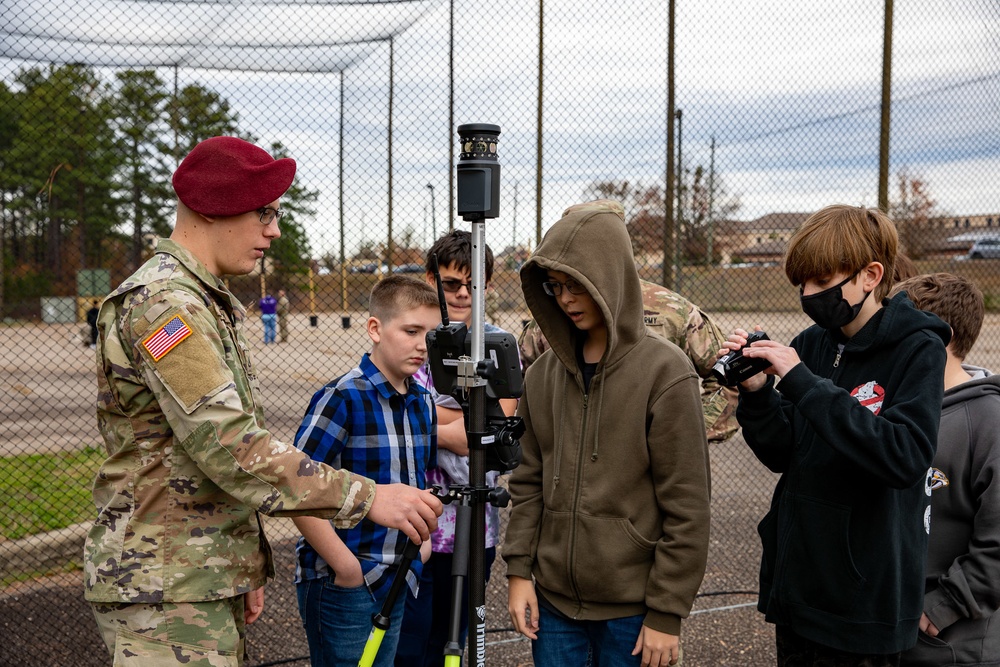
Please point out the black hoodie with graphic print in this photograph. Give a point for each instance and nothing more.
(852, 430)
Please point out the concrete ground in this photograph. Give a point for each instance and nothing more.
(724, 628)
(47, 389)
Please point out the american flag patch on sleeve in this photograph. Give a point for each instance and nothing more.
(166, 337)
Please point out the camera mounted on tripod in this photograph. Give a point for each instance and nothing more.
(450, 351)
(462, 360)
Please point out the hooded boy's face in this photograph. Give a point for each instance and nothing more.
(581, 309)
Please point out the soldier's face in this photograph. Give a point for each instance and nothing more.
(401, 342)
(242, 241)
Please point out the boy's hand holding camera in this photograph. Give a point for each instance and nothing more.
(782, 357)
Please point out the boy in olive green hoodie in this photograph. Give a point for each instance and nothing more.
(611, 500)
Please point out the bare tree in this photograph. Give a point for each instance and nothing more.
(912, 211)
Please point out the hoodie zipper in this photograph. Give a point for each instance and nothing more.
(576, 497)
(840, 352)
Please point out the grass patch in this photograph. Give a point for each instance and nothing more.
(42, 492)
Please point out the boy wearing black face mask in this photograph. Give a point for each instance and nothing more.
(853, 431)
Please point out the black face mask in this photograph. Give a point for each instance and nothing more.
(829, 308)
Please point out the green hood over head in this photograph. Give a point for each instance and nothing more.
(591, 244)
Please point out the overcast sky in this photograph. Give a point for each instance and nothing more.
(789, 90)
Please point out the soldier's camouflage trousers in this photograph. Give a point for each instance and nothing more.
(195, 634)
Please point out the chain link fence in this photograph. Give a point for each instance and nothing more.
(719, 126)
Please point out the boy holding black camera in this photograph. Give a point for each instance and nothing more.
(852, 429)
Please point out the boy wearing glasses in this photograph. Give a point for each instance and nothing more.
(425, 624)
(608, 537)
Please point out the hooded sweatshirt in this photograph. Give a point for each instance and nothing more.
(963, 559)
(853, 431)
(611, 500)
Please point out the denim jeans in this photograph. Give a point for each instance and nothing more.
(270, 327)
(338, 621)
(563, 642)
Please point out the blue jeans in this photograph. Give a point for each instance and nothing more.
(563, 642)
(338, 621)
(270, 327)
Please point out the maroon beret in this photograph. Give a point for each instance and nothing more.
(226, 176)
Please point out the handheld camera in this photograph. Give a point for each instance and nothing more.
(733, 368)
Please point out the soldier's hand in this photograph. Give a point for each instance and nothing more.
(253, 605)
(407, 508)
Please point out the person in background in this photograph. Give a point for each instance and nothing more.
(960, 624)
(92, 313)
(425, 625)
(283, 310)
(268, 315)
(852, 431)
(176, 560)
(676, 319)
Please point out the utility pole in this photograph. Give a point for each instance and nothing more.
(668, 185)
(883, 143)
(711, 200)
(514, 226)
(680, 201)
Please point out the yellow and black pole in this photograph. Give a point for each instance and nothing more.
(381, 621)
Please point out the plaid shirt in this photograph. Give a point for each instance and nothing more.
(359, 422)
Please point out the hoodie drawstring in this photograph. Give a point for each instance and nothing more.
(562, 434)
(600, 405)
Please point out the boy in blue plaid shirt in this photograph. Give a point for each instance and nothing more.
(374, 421)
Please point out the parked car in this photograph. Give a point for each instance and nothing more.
(409, 268)
(988, 248)
(370, 267)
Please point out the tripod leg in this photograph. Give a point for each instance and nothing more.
(459, 571)
(381, 620)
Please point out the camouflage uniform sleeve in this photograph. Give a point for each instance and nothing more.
(530, 344)
(205, 387)
(702, 342)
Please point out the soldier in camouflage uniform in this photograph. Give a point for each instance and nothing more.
(678, 320)
(175, 562)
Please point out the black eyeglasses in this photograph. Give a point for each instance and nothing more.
(267, 214)
(452, 285)
(553, 288)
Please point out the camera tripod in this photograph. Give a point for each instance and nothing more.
(460, 368)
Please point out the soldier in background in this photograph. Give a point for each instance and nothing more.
(283, 310)
(678, 320)
(175, 562)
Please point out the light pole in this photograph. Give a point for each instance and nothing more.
(514, 225)
(680, 199)
(434, 233)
